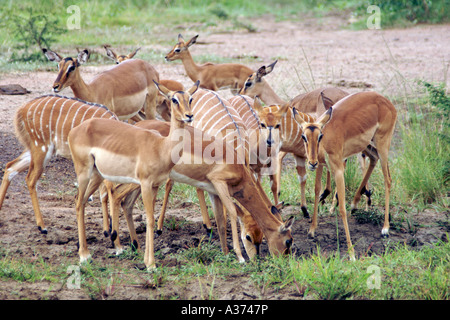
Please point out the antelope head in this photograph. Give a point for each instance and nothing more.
(118, 58)
(312, 135)
(180, 102)
(68, 68)
(270, 121)
(254, 85)
(180, 48)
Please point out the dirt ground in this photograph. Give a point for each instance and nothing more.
(310, 55)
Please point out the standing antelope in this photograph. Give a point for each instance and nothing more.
(212, 76)
(122, 153)
(42, 125)
(162, 104)
(118, 58)
(361, 122)
(279, 118)
(125, 89)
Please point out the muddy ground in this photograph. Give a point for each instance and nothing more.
(310, 54)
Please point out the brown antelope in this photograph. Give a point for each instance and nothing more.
(278, 117)
(162, 104)
(42, 126)
(125, 89)
(218, 119)
(223, 180)
(361, 122)
(192, 174)
(122, 153)
(118, 58)
(212, 76)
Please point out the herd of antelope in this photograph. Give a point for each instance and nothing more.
(123, 160)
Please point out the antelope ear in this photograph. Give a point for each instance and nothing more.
(260, 73)
(131, 55)
(270, 67)
(325, 117)
(51, 55)
(284, 108)
(194, 88)
(287, 225)
(298, 117)
(327, 102)
(83, 56)
(180, 38)
(164, 91)
(109, 53)
(192, 41)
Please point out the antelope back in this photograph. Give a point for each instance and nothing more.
(44, 123)
(216, 117)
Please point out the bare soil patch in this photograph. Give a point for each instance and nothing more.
(310, 55)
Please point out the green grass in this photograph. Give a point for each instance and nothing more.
(400, 273)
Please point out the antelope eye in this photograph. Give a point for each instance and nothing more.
(288, 243)
(277, 126)
(320, 137)
(304, 138)
(248, 238)
(248, 84)
(71, 68)
(177, 50)
(263, 125)
(190, 100)
(174, 100)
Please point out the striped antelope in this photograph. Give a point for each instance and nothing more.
(216, 117)
(42, 126)
(162, 104)
(125, 89)
(212, 76)
(122, 153)
(361, 122)
(223, 180)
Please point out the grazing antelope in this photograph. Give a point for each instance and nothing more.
(125, 89)
(222, 180)
(122, 153)
(162, 104)
(42, 125)
(193, 174)
(361, 122)
(118, 58)
(212, 76)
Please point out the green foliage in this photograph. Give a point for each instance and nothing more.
(33, 27)
(424, 163)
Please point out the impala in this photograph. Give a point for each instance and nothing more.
(222, 180)
(278, 117)
(42, 125)
(125, 89)
(162, 104)
(212, 76)
(118, 58)
(361, 122)
(122, 153)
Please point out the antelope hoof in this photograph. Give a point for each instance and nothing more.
(305, 211)
(158, 232)
(135, 246)
(208, 230)
(85, 259)
(106, 234)
(385, 233)
(324, 195)
(42, 231)
(311, 235)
